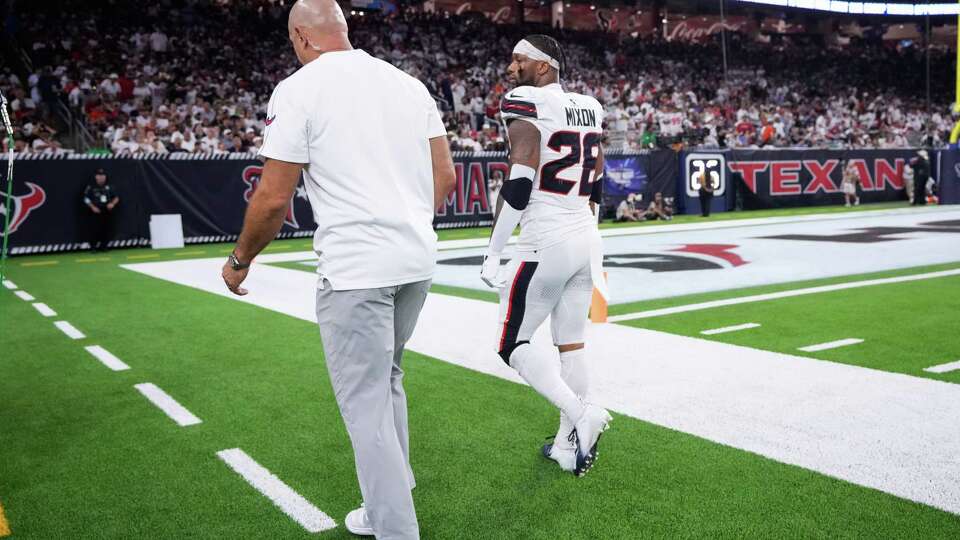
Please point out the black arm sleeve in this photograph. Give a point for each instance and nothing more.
(516, 192)
(596, 191)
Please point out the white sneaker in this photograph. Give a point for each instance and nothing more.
(586, 433)
(357, 522)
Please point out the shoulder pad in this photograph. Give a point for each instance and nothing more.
(521, 102)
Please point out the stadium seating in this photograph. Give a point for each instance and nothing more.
(196, 78)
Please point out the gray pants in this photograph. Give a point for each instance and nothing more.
(364, 332)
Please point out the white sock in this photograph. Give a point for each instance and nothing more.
(542, 372)
(573, 370)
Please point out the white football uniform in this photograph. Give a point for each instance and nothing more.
(552, 273)
(570, 128)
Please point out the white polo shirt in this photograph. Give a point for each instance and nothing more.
(362, 127)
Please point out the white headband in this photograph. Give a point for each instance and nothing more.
(527, 49)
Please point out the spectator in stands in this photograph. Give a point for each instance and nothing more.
(706, 194)
(494, 185)
(921, 174)
(658, 209)
(101, 199)
(627, 209)
(908, 182)
(860, 95)
(851, 177)
(932, 197)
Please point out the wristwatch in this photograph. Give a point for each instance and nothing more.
(235, 262)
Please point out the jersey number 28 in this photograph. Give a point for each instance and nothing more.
(582, 151)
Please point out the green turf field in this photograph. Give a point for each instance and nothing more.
(84, 455)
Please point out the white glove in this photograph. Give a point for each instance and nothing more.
(490, 272)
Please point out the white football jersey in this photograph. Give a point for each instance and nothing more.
(571, 127)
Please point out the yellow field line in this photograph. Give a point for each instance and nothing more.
(40, 263)
(92, 259)
(149, 256)
(187, 253)
(4, 526)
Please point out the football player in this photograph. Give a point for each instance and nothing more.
(552, 193)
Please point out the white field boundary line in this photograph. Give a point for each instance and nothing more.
(283, 496)
(69, 329)
(831, 345)
(726, 329)
(106, 358)
(9, 284)
(177, 412)
(781, 294)
(944, 368)
(24, 295)
(44, 309)
(713, 225)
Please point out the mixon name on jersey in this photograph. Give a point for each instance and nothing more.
(581, 117)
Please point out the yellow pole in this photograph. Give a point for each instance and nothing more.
(955, 134)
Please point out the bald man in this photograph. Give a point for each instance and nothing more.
(372, 150)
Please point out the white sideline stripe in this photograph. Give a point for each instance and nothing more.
(24, 295)
(69, 329)
(9, 284)
(177, 412)
(886, 431)
(44, 309)
(283, 496)
(781, 294)
(943, 368)
(106, 358)
(725, 329)
(830, 345)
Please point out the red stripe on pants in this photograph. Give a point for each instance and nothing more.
(513, 291)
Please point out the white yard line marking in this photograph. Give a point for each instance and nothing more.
(69, 329)
(44, 309)
(177, 412)
(943, 368)
(781, 294)
(725, 329)
(283, 496)
(830, 345)
(9, 284)
(106, 358)
(887, 431)
(24, 295)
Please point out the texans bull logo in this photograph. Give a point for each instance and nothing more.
(251, 177)
(22, 205)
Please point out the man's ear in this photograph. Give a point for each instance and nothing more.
(299, 35)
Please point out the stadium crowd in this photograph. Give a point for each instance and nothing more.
(195, 76)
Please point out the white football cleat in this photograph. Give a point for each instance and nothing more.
(565, 456)
(586, 434)
(357, 522)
